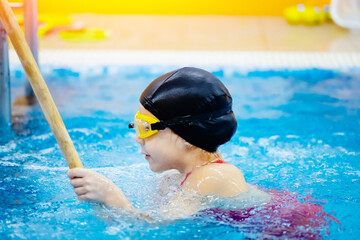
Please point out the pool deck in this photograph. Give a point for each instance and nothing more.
(202, 41)
(208, 33)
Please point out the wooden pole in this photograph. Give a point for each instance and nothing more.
(39, 86)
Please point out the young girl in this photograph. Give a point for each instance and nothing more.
(183, 117)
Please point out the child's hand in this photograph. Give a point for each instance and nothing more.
(93, 187)
(89, 185)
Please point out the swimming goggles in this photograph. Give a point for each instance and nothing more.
(143, 125)
(146, 126)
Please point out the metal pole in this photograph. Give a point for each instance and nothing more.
(31, 35)
(5, 99)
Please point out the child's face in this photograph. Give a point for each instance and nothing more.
(162, 150)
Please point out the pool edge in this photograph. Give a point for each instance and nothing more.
(325, 60)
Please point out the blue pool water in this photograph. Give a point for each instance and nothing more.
(298, 133)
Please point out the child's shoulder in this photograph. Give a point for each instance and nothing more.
(217, 179)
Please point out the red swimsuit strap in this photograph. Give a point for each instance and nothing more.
(219, 161)
(188, 174)
(185, 178)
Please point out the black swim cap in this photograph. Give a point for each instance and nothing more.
(194, 104)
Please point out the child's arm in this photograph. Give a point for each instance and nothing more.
(93, 187)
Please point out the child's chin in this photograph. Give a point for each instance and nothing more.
(155, 169)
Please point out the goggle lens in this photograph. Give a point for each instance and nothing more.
(141, 127)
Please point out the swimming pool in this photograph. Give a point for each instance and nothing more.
(298, 133)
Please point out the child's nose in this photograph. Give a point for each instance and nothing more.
(139, 140)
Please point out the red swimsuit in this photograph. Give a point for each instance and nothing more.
(187, 175)
(303, 218)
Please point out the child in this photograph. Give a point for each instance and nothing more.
(184, 115)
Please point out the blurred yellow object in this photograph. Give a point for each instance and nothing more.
(84, 35)
(327, 13)
(55, 19)
(292, 15)
(322, 17)
(310, 16)
(307, 15)
(46, 22)
(43, 29)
